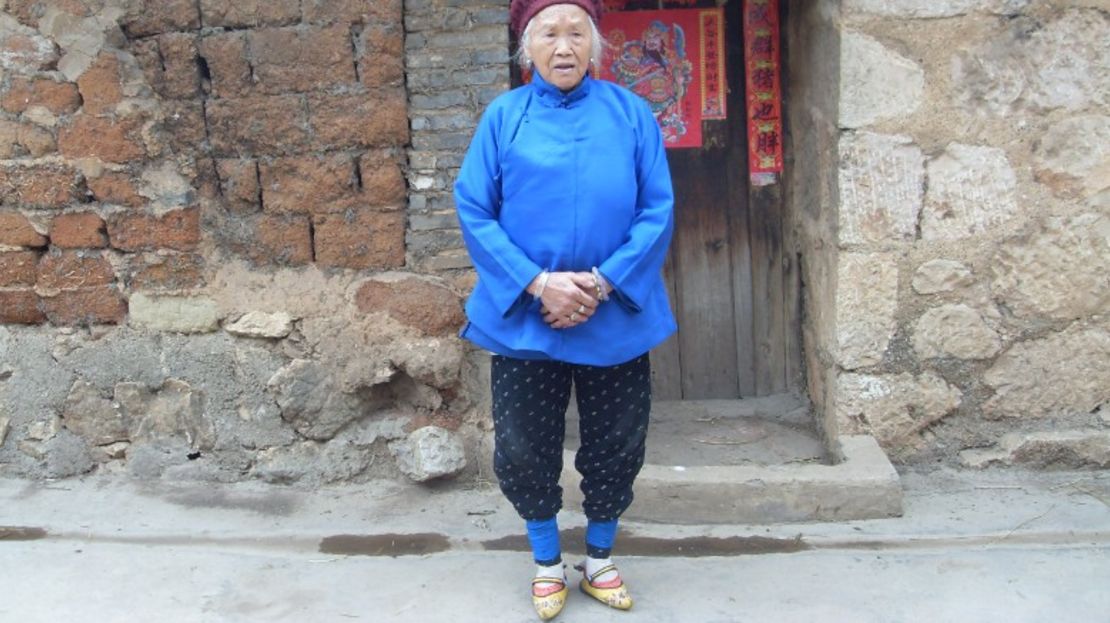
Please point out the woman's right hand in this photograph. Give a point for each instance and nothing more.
(565, 302)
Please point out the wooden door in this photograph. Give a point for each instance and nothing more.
(728, 286)
(734, 289)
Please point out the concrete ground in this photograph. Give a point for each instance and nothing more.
(973, 546)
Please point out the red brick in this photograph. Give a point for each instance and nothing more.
(152, 17)
(175, 271)
(78, 230)
(360, 239)
(343, 121)
(40, 186)
(100, 85)
(429, 307)
(381, 61)
(170, 64)
(294, 60)
(30, 12)
(352, 11)
(28, 53)
(149, 57)
(183, 124)
(18, 268)
(205, 179)
(84, 306)
(74, 269)
(249, 126)
(383, 183)
(249, 13)
(16, 231)
(20, 307)
(178, 230)
(226, 57)
(104, 138)
(179, 57)
(283, 240)
(115, 187)
(60, 98)
(310, 184)
(9, 139)
(239, 184)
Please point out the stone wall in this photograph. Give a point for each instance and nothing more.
(203, 220)
(228, 247)
(966, 310)
(457, 62)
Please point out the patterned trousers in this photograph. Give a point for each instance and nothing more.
(530, 400)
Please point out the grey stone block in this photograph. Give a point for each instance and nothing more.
(863, 485)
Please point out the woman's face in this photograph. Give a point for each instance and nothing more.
(559, 44)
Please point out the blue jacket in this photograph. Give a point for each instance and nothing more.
(567, 182)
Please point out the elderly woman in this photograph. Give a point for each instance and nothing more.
(565, 204)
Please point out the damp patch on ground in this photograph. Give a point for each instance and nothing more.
(21, 533)
(631, 544)
(385, 544)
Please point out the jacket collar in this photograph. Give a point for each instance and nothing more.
(550, 95)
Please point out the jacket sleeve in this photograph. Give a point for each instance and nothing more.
(633, 269)
(502, 266)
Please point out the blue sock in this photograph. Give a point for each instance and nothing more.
(543, 534)
(599, 538)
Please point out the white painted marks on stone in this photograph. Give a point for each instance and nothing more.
(970, 191)
(881, 181)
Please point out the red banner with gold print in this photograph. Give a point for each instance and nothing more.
(761, 60)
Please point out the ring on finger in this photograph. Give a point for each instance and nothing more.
(573, 317)
(581, 309)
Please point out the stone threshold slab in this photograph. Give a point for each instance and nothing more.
(864, 485)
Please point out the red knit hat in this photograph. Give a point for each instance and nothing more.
(520, 11)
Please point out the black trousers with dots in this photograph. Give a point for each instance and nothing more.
(530, 400)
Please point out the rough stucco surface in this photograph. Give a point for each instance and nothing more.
(993, 334)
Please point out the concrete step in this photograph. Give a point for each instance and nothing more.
(757, 460)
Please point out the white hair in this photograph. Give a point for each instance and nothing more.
(597, 44)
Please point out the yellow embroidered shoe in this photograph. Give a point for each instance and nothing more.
(549, 603)
(612, 593)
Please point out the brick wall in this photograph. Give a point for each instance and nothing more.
(271, 131)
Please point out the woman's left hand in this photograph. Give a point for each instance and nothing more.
(568, 300)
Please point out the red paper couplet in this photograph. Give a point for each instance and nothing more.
(761, 71)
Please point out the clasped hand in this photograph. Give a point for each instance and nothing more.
(569, 299)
